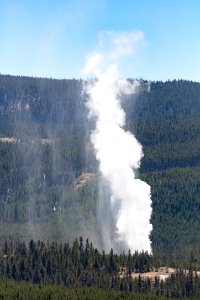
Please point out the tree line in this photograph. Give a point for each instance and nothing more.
(82, 265)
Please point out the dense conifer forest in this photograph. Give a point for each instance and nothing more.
(108, 276)
(49, 176)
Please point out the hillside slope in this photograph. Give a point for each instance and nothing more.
(38, 193)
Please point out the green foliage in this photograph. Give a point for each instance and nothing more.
(80, 271)
(24, 291)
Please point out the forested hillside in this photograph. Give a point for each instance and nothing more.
(45, 147)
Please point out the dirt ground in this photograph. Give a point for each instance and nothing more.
(8, 140)
(83, 179)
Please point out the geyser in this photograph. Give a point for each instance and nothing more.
(118, 152)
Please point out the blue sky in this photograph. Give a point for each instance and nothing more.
(50, 38)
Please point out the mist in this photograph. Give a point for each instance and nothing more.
(44, 123)
(118, 151)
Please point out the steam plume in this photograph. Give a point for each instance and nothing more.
(118, 152)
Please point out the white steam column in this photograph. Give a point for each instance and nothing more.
(118, 152)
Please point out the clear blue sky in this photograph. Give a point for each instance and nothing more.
(50, 38)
